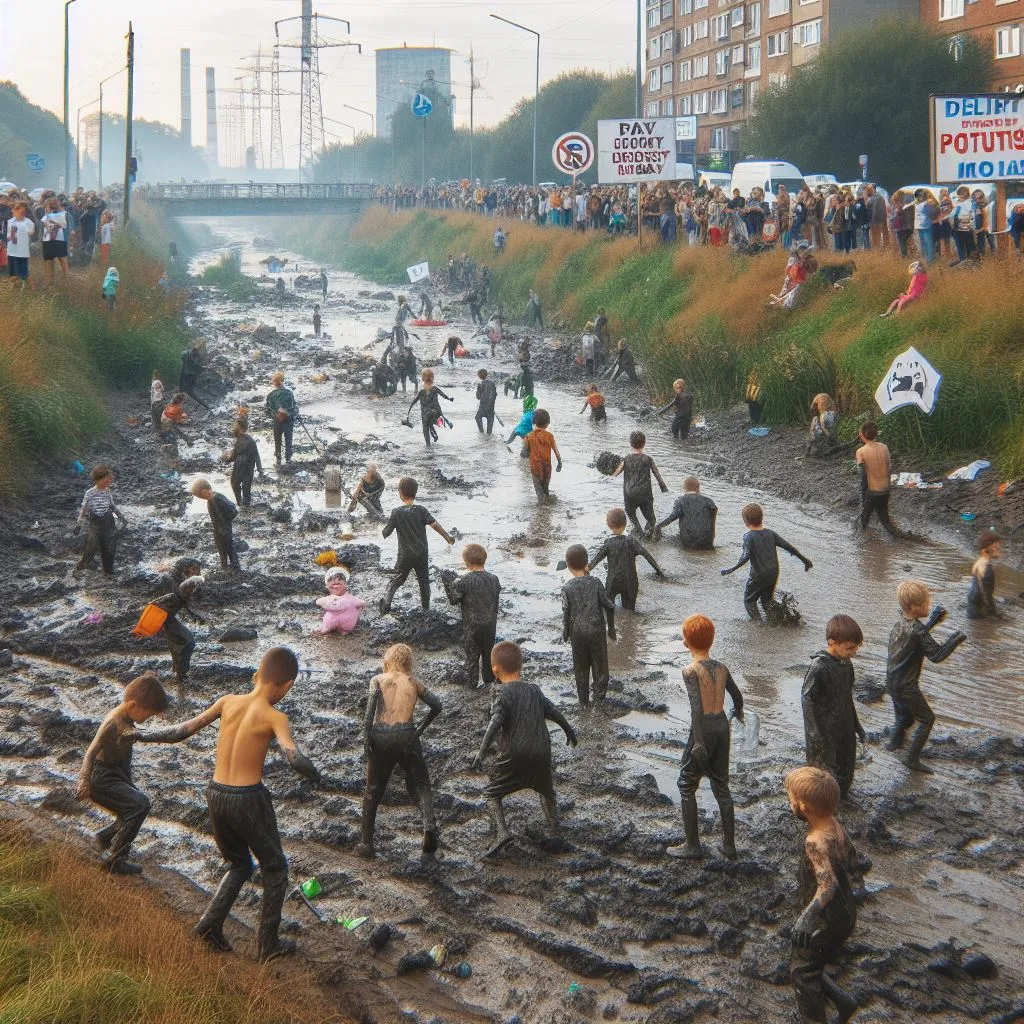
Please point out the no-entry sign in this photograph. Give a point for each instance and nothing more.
(572, 153)
(636, 149)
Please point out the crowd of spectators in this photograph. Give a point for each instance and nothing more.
(83, 214)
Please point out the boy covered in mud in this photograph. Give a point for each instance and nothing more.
(831, 725)
(910, 642)
(829, 866)
(622, 551)
(410, 522)
(585, 606)
(759, 546)
(486, 396)
(478, 593)
(428, 398)
(391, 739)
(538, 447)
(222, 514)
(681, 404)
(369, 489)
(106, 775)
(181, 643)
(519, 715)
(245, 461)
(637, 468)
(242, 815)
(875, 469)
(707, 748)
(696, 514)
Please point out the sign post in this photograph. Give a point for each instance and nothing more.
(572, 154)
(421, 107)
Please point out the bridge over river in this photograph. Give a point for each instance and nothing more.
(256, 199)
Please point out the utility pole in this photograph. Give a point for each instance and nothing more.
(67, 112)
(128, 123)
(472, 89)
(639, 37)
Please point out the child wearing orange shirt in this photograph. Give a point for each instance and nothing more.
(595, 402)
(537, 447)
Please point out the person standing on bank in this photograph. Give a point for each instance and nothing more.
(282, 409)
(55, 238)
(99, 511)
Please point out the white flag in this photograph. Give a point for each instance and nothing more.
(420, 272)
(911, 380)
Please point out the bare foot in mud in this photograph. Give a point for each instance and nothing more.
(916, 766)
(214, 939)
(499, 844)
(688, 852)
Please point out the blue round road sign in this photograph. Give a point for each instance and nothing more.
(421, 105)
(35, 162)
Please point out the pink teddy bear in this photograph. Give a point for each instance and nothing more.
(341, 609)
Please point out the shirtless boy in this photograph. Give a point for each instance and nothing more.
(875, 469)
(391, 738)
(241, 812)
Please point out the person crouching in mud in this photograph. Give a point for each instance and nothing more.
(519, 715)
(428, 398)
(391, 739)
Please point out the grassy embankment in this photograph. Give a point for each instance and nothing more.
(78, 945)
(702, 314)
(61, 349)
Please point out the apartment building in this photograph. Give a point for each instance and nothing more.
(998, 24)
(711, 58)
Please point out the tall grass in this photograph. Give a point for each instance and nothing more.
(61, 348)
(77, 945)
(702, 314)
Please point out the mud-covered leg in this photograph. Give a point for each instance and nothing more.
(502, 836)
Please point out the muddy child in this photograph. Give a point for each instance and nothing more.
(875, 469)
(622, 550)
(519, 714)
(223, 512)
(981, 598)
(594, 401)
(106, 775)
(707, 748)
(282, 410)
(696, 514)
(829, 866)
(173, 416)
(242, 815)
(538, 446)
(245, 462)
(910, 642)
(99, 512)
(429, 400)
(585, 607)
(317, 320)
(637, 468)
(157, 399)
(831, 725)
(369, 489)
(410, 522)
(391, 738)
(486, 396)
(341, 609)
(759, 549)
(181, 643)
(681, 404)
(477, 592)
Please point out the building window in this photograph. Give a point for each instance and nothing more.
(809, 33)
(651, 109)
(687, 37)
(666, 43)
(737, 55)
(753, 88)
(778, 43)
(685, 70)
(700, 102)
(698, 4)
(805, 3)
(666, 10)
(736, 97)
(654, 17)
(700, 29)
(721, 27)
(777, 79)
(777, 7)
(700, 66)
(1008, 41)
(685, 7)
(685, 105)
(654, 80)
(956, 47)
(722, 63)
(719, 138)
(666, 74)
(950, 9)
(667, 108)
(753, 58)
(655, 47)
(719, 101)
(754, 19)
(736, 16)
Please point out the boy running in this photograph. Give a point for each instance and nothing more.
(538, 446)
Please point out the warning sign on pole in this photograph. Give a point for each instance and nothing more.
(572, 153)
(636, 149)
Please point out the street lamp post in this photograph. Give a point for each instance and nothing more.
(67, 104)
(536, 85)
(359, 110)
(78, 140)
(99, 149)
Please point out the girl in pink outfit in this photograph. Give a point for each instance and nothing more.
(341, 609)
(918, 283)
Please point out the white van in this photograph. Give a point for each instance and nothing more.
(766, 174)
(714, 179)
(820, 180)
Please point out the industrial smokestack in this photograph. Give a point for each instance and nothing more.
(211, 118)
(186, 98)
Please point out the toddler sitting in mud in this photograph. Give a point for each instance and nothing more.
(341, 609)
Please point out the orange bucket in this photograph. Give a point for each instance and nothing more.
(151, 621)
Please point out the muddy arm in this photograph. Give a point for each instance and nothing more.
(599, 556)
(554, 715)
(609, 610)
(106, 730)
(786, 546)
(453, 588)
(699, 746)
(372, 703)
(389, 527)
(497, 719)
(812, 921)
(183, 730)
(934, 651)
(293, 755)
(657, 476)
(566, 617)
(434, 703)
(644, 553)
(744, 558)
(734, 691)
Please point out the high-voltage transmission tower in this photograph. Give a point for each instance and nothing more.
(256, 67)
(311, 115)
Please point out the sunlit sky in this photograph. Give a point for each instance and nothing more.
(224, 33)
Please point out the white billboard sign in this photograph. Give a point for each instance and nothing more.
(630, 150)
(977, 138)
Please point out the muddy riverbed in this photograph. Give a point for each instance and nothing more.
(603, 925)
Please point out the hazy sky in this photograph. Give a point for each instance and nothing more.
(222, 33)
